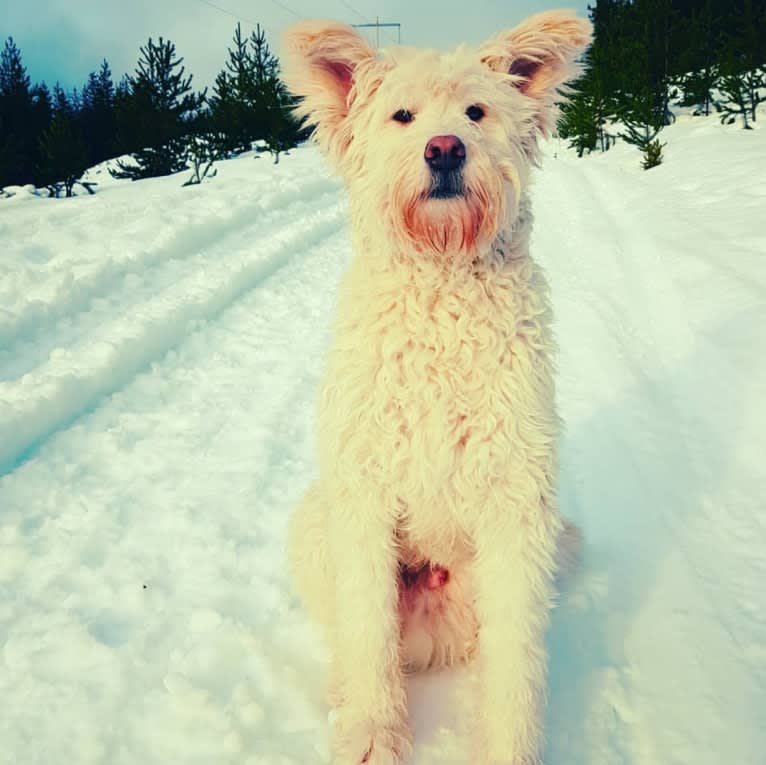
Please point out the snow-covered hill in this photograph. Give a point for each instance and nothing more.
(160, 349)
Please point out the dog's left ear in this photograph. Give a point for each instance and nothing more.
(320, 65)
(540, 53)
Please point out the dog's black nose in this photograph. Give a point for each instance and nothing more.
(445, 152)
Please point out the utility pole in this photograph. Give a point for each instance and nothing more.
(378, 26)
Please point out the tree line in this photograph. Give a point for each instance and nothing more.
(649, 54)
(155, 116)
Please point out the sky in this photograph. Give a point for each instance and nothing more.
(66, 39)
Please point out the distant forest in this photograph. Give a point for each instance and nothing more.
(50, 137)
(647, 55)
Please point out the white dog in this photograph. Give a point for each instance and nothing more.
(432, 532)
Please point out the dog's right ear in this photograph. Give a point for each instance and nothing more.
(540, 55)
(320, 61)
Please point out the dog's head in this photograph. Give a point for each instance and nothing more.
(435, 146)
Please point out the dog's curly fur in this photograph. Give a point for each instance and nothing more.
(437, 421)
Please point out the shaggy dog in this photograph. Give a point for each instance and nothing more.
(432, 532)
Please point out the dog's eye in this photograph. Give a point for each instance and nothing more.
(403, 115)
(474, 113)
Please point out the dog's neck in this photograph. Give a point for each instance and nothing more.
(510, 244)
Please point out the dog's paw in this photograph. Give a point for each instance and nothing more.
(366, 743)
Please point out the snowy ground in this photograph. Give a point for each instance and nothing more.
(159, 355)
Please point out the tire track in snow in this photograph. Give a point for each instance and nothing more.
(666, 308)
(28, 338)
(72, 380)
(588, 694)
(633, 304)
(217, 621)
(629, 460)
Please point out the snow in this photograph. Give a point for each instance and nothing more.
(160, 350)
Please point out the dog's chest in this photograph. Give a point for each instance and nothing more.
(432, 382)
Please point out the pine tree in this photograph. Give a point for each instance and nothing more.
(736, 98)
(644, 114)
(17, 140)
(42, 109)
(588, 112)
(155, 113)
(250, 102)
(579, 123)
(63, 154)
(697, 60)
(640, 47)
(697, 89)
(128, 125)
(272, 101)
(268, 87)
(587, 116)
(98, 115)
(201, 154)
(231, 105)
(644, 95)
(742, 79)
(14, 80)
(62, 103)
(652, 155)
(749, 56)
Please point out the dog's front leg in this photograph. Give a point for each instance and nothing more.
(370, 723)
(514, 571)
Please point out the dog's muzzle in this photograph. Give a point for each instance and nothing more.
(446, 185)
(445, 156)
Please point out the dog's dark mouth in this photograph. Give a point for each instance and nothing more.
(446, 185)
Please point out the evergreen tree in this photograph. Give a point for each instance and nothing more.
(579, 123)
(155, 113)
(736, 98)
(643, 115)
(745, 55)
(640, 47)
(269, 90)
(697, 89)
(62, 103)
(14, 80)
(652, 155)
(698, 59)
(61, 149)
(231, 105)
(97, 115)
(250, 102)
(128, 128)
(63, 154)
(273, 102)
(42, 109)
(586, 115)
(17, 139)
(755, 82)
(645, 93)
(586, 118)
(201, 154)
(75, 99)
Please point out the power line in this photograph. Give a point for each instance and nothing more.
(285, 8)
(354, 10)
(228, 13)
(242, 18)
